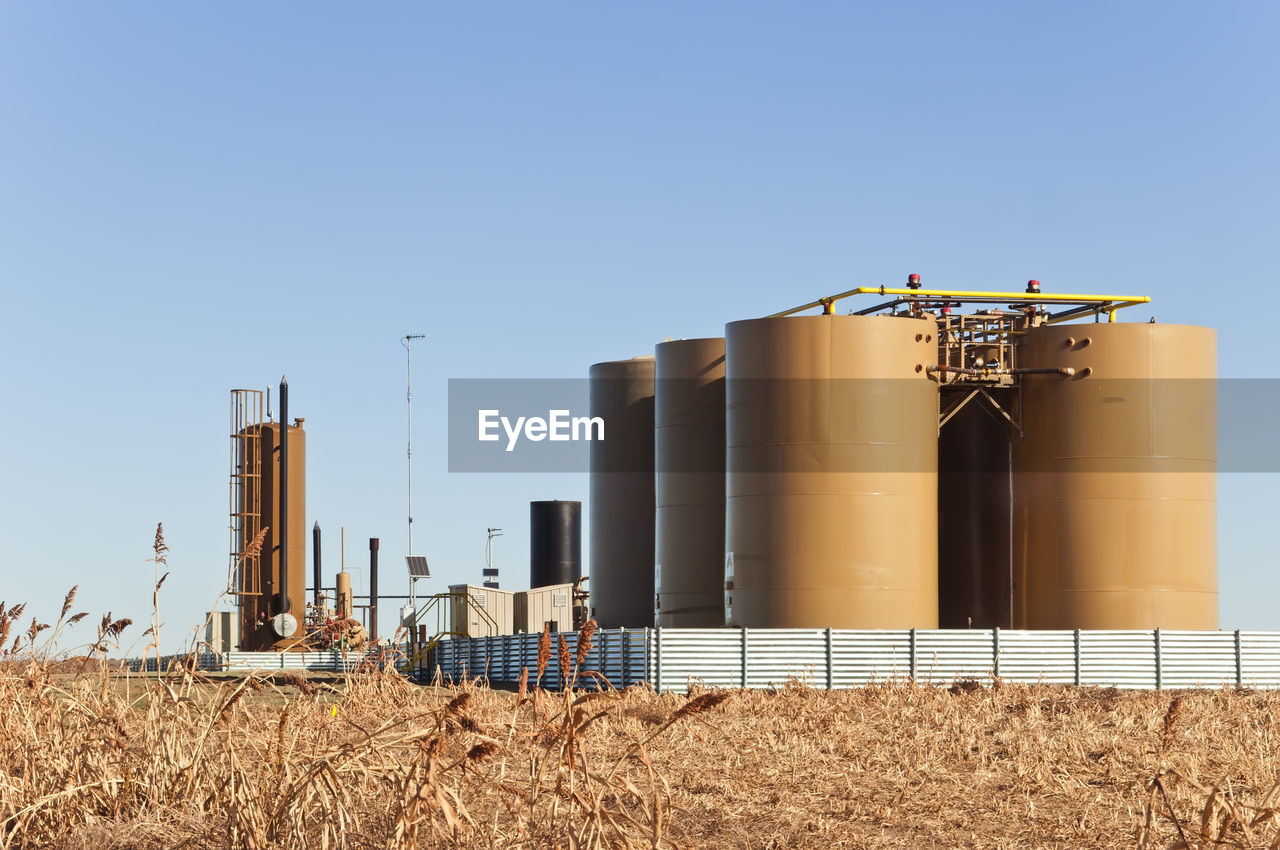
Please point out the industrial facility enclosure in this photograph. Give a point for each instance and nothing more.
(906, 490)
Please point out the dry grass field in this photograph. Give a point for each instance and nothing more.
(93, 759)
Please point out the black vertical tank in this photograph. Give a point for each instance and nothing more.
(555, 543)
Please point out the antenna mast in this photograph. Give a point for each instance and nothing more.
(406, 341)
(490, 571)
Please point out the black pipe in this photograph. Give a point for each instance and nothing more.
(373, 588)
(380, 596)
(282, 530)
(1065, 371)
(315, 557)
(958, 370)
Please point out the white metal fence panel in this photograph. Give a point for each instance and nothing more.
(1260, 659)
(1118, 659)
(945, 655)
(712, 657)
(1197, 659)
(773, 656)
(328, 661)
(1032, 657)
(862, 657)
(277, 661)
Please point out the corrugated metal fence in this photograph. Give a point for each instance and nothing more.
(619, 657)
(835, 658)
(328, 661)
(672, 659)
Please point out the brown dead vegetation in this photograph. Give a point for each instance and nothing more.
(95, 758)
(88, 760)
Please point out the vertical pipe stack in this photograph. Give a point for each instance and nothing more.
(373, 588)
(689, 487)
(282, 503)
(317, 577)
(622, 495)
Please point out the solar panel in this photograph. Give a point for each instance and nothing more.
(417, 566)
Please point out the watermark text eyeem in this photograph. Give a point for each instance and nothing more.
(558, 426)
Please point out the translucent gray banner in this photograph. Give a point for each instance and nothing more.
(1054, 424)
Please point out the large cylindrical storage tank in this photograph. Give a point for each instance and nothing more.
(621, 548)
(831, 485)
(974, 514)
(1115, 490)
(689, 456)
(555, 543)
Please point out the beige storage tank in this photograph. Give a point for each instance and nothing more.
(689, 483)
(974, 523)
(832, 473)
(476, 611)
(552, 603)
(621, 549)
(1115, 489)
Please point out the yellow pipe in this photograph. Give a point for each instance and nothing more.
(1111, 312)
(1010, 296)
(962, 294)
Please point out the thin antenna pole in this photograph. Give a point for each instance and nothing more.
(406, 341)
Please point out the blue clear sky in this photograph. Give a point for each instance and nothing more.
(195, 197)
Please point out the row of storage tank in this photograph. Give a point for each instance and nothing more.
(793, 475)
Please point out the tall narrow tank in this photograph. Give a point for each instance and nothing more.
(832, 473)
(259, 624)
(689, 455)
(555, 543)
(344, 605)
(974, 515)
(622, 508)
(1115, 489)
